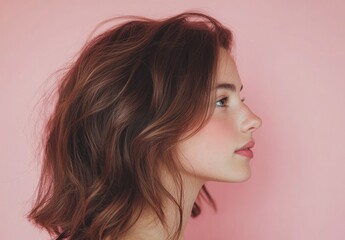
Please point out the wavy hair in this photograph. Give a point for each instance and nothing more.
(121, 108)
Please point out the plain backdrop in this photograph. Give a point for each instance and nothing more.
(290, 56)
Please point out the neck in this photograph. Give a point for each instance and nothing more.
(148, 227)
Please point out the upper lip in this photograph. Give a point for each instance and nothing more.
(250, 144)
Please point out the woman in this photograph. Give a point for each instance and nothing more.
(148, 113)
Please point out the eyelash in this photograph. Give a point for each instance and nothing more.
(226, 99)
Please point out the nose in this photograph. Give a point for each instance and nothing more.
(252, 123)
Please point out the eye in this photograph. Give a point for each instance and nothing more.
(224, 100)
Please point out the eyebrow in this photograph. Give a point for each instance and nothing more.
(229, 86)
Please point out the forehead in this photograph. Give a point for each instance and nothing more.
(227, 70)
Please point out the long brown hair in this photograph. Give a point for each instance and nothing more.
(121, 108)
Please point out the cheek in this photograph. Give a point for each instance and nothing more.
(215, 140)
(219, 135)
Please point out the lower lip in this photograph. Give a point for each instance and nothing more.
(247, 153)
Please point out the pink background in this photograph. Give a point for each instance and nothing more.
(290, 56)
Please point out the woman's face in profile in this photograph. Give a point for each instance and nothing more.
(210, 154)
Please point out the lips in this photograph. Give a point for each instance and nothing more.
(245, 150)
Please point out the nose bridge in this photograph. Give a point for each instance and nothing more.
(251, 122)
